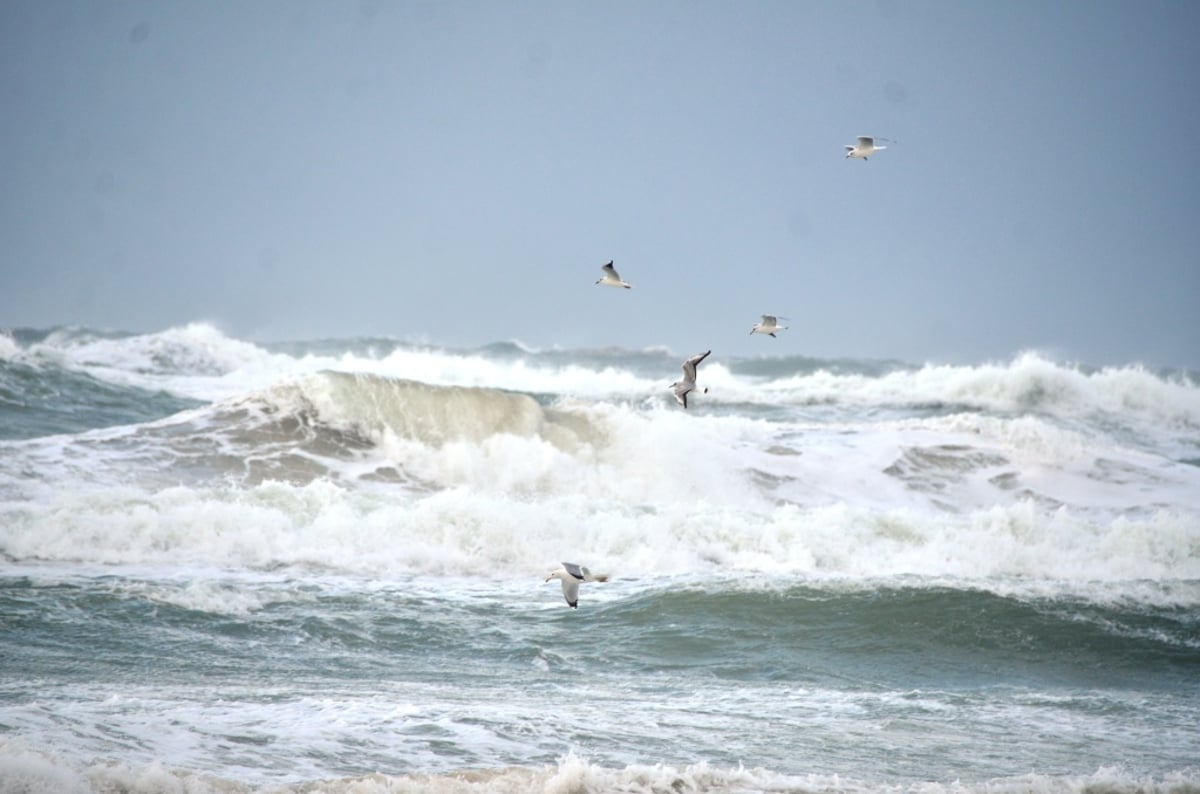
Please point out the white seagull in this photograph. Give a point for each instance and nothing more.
(768, 325)
(688, 384)
(865, 148)
(571, 575)
(611, 278)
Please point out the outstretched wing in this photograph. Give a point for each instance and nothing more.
(571, 593)
(575, 570)
(610, 270)
(866, 142)
(681, 390)
(689, 366)
(768, 319)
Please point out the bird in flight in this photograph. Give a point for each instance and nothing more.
(768, 325)
(571, 576)
(611, 278)
(865, 147)
(688, 384)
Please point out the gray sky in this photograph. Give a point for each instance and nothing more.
(458, 171)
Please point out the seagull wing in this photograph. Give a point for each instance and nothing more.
(689, 366)
(571, 593)
(768, 319)
(866, 141)
(610, 270)
(681, 390)
(575, 570)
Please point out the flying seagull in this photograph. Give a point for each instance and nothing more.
(688, 383)
(611, 278)
(865, 148)
(571, 575)
(768, 325)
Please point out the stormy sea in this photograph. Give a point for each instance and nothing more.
(320, 566)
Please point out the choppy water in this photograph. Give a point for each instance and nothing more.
(319, 566)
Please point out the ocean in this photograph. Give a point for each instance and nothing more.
(320, 566)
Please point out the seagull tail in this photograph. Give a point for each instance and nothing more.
(600, 577)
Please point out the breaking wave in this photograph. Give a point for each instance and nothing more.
(32, 772)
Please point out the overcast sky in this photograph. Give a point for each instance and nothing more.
(458, 172)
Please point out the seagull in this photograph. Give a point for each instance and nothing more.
(768, 325)
(611, 278)
(571, 575)
(865, 148)
(688, 383)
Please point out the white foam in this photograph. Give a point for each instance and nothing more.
(640, 490)
(194, 348)
(207, 595)
(1029, 383)
(9, 348)
(195, 360)
(467, 481)
(198, 361)
(474, 533)
(35, 772)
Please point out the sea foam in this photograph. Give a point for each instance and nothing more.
(198, 361)
(33, 772)
(460, 532)
(438, 462)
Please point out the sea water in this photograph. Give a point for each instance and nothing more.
(320, 566)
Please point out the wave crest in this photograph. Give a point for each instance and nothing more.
(1028, 384)
(375, 408)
